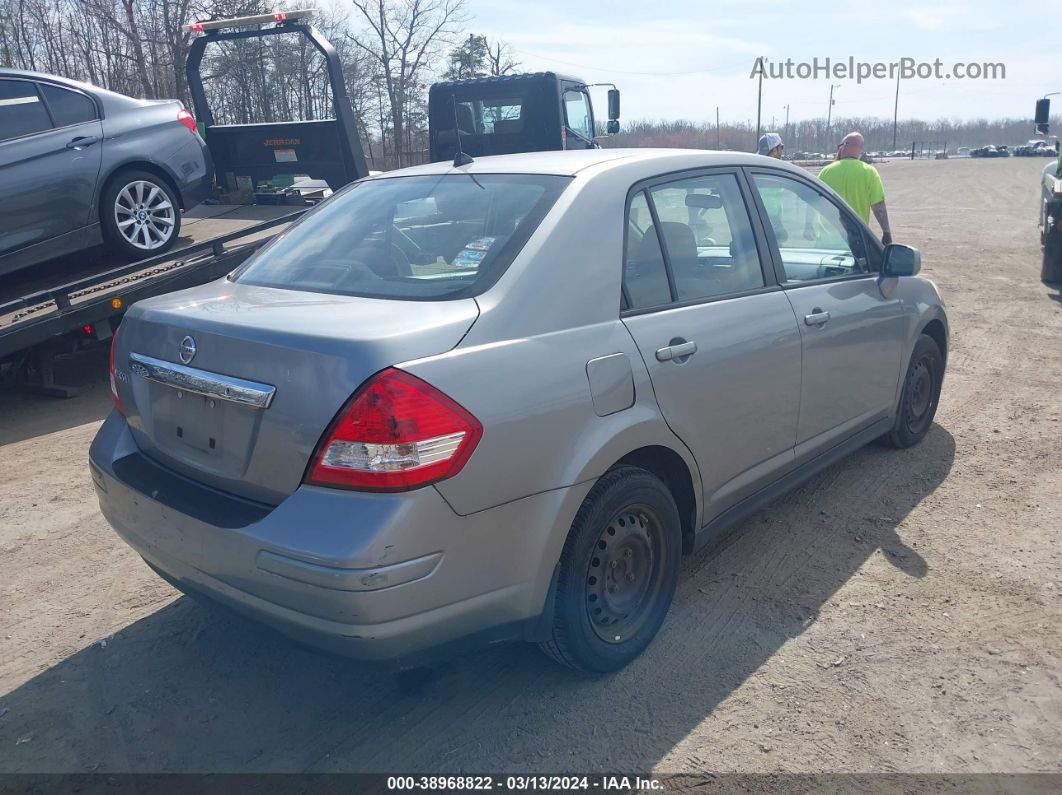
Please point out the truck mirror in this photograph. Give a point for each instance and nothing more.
(1043, 114)
(612, 127)
(613, 105)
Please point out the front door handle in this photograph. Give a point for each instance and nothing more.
(81, 142)
(682, 350)
(817, 317)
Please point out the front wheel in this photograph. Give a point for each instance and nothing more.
(617, 572)
(920, 394)
(139, 214)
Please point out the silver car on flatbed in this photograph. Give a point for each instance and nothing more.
(499, 401)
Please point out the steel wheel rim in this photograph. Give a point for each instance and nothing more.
(623, 576)
(144, 215)
(920, 395)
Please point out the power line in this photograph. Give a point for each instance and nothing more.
(624, 71)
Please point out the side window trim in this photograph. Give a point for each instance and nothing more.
(664, 253)
(775, 252)
(749, 196)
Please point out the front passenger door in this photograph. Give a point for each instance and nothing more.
(852, 333)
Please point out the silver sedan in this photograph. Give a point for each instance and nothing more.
(500, 401)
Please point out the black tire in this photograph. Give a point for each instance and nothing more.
(919, 396)
(149, 223)
(1051, 272)
(621, 560)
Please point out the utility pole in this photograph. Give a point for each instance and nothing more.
(786, 123)
(718, 140)
(896, 111)
(829, 111)
(759, 106)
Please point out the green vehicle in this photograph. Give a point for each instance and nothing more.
(1050, 220)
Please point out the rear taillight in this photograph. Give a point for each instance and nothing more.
(113, 377)
(187, 119)
(396, 433)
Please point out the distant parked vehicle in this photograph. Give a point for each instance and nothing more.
(81, 165)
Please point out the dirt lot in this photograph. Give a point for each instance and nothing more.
(901, 612)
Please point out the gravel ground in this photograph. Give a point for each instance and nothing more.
(900, 612)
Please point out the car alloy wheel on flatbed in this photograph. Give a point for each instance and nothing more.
(144, 215)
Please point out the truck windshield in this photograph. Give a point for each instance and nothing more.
(416, 238)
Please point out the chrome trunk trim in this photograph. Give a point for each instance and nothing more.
(202, 382)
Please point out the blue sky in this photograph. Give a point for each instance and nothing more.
(680, 59)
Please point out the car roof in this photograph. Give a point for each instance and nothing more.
(102, 93)
(570, 163)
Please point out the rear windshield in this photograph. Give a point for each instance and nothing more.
(418, 238)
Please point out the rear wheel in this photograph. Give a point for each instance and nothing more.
(139, 214)
(1051, 272)
(617, 572)
(921, 392)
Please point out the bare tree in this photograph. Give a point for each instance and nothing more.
(405, 36)
(500, 59)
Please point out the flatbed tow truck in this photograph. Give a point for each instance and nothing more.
(63, 306)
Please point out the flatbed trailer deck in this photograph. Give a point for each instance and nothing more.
(56, 318)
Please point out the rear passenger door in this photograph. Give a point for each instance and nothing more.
(716, 332)
(50, 154)
(852, 331)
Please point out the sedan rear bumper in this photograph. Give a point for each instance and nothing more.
(371, 576)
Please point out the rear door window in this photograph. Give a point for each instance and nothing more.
(22, 111)
(417, 238)
(68, 107)
(708, 235)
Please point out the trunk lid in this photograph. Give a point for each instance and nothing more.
(310, 350)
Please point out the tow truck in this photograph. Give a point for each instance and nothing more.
(287, 166)
(1050, 221)
(40, 321)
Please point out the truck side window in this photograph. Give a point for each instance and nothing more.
(577, 112)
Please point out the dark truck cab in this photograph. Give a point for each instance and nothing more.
(534, 112)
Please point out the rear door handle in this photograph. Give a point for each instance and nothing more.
(817, 317)
(81, 142)
(680, 351)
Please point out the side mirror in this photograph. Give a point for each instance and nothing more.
(901, 260)
(613, 104)
(1043, 115)
(612, 127)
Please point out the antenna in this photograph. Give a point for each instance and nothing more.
(460, 158)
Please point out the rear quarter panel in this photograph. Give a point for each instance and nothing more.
(150, 134)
